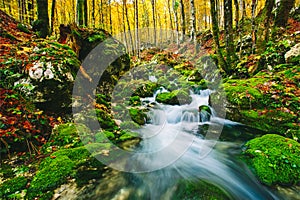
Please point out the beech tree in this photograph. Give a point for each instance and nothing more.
(215, 30)
(230, 57)
(283, 12)
(42, 24)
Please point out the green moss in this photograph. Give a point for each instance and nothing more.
(275, 159)
(135, 101)
(54, 170)
(191, 190)
(128, 135)
(23, 28)
(137, 116)
(176, 97)
(12, 186)
(129, 125)
(243, 96)
(275, 121)
(97, 37)
(146, 90)
(105, 120)
(104, 136)
(52, 173)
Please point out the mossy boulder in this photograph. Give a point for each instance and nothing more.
(135, 101)
(138, 116)
(176, 97)
(293, 55)
(205, 113)
(68, 134)
(63, 164)
(12, 186)
(267, 101)
(147, 89)
(44, 71)
(52, 173)
(274, 159)
(190, 190)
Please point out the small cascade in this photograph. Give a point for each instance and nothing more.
(170, 151)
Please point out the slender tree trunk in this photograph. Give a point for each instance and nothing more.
(183, 23)
(101, 14)
(215, 29)
(93, 14)
(52, 15)
(228, 31)
(171, 19)
(124, 25)
(80, 5)
(254, 37)
(128, 25)
(137, 38)
(205, 18)
(193, 21)
(268, 9)
(42, 8)
(110, 18)
(85, 13)
(153, 3)
(237, 14)
(283, 12)
(175, 8)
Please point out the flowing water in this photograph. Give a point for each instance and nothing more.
(173, 149)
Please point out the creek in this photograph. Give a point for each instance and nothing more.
(174, 148)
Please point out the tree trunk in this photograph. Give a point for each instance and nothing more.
(183, 24)
(283, 12)
(171, 19)
(253, 8)
(193, 21)
(128, 25)
(237, 14)
(110, 18)
(153, 3)
(228, 31)
(42, 8)
(215, 29)
(93, 14)
(80, 19)
(137, 38)
(268, 10)
(124, 26)
(52, 15)
(85, 13)
(175, 8)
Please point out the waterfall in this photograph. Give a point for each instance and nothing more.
(170, 151)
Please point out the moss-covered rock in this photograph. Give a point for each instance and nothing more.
(268, 101)
(135, 101)
(146, 90)
(52, 173)
(55, 170)
(9, 187)
(274, 159)
(45, 73)
(138, 116)
(68, 134)
(192, 190)
(129, 125)
(176, 97)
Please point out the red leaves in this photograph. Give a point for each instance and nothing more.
(18, 120)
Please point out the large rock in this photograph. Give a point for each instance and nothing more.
(47, 73)
(293, 55)
(275, 159)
